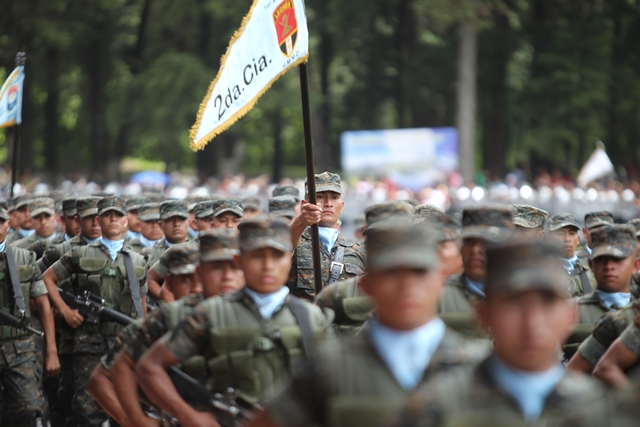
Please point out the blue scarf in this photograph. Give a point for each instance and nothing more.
(25, 233)
(268, 304)
(192, 233)
(569, 264)
(90, 241)
(3, 245)
(146, 242)
(113, 246)
(328, 237)
(133, 235)
(614, 300)
(475, 287)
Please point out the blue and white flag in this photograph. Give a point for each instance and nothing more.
(11, 98)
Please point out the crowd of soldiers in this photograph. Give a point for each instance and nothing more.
(205, 312)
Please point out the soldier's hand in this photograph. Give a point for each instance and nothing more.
(51, 365)
(202, 419)
(312, 214)
(73, 318)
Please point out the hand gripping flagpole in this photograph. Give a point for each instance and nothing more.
(21, 59)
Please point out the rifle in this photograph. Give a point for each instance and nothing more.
(18, 322)
(93, 308)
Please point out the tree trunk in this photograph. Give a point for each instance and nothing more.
(466, 99)
(51, 115)
(97, 76)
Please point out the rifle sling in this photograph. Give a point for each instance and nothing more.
(586, 285)
(301, 315)
(15, 280)
(133, 283)
(337, 265)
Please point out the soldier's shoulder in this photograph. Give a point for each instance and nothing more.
(576, 385)
(455, 280)
(321, 317)
(590, 298)
(23, 255)
(456, 349)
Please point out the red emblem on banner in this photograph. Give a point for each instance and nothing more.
(284, 19)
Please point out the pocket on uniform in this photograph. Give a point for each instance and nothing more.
(25, 272)
(23, 346)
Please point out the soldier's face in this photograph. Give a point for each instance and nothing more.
(474, 258)
(266, 270)
(4, 229)
(14, 220)
(220, 277)
(113, 224)
(227, 220)
(568, 238)
(332, 205)
(182, 285)
(134, 221)
(151, 230)
(405, 298)
(450, 257)
(44, 224)
(71, 226)
(614, 274)
(205, 223)
(24, 219)
(528, 327)
(89, 226)
(175, 229)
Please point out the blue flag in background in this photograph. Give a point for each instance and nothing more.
(11, 98)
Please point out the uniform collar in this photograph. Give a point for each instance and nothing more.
(268, 304)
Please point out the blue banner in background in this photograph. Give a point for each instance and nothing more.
(11, 98)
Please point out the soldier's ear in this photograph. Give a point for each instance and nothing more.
(636, 265)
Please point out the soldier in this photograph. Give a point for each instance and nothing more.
(364, 380)
(21, 376)
(635, 279)
(614, 259)
(203, 216)
(150, 227)
(564, 229)
(134, 203)
(288, 190)
(25, 223)
(192, 200)
(528, 310)
(529, 222)
(72, 228)
(592, 220)
(174, 216)
(103, 268)
(251, 207)
(227, 213)
(251, 339)
(448, 229)
(14, 223)
(341, 259)
(284, 206)
(359, 224)
(43, 216)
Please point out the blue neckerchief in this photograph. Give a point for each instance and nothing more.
(166, 242)
(475, 286)
(407, 353)
(328, 237)
(67, 237)
(25, 233)
(569, 264)
(588, 249)
(614, 300)
(113, 246)
(3, 245)
(268, 304)
(192, 233)
(133, 235)
(89, 241)
(146, 242)
(528, 389)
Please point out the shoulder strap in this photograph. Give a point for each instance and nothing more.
(337, 265)
(15, 281)
(133, 283)
(586, 284)
(302, 317)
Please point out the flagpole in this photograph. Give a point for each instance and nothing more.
(311, 175)
(21, 59)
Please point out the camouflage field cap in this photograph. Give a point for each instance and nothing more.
(149, 212)
(152, 197)
(228, 205)
(427, 211)
(525, 265)
(597, 219)
(69, 207)
(447, 227)
(529, 216)
(414, 203)
(286, 190)
(327, 181)
(636, 224)
(219, 244)
(4, 211)
(251, 203)
(561, 220)
(399, 243)
(171, 208)
(203, 209)
(23, 200)
(11, 204)
(284, 206)
(193, 199)
(42, 205)
(87, 206)
(264, 231)
(135, 202)
(182, 258)
(359, 222)
(493, 223)
(376, 213)
(618, 241)
(111, 203)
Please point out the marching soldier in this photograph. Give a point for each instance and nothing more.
(14, 223)
(251, 207)
(227, 213)
(43, 217)
(192, 201)
(592, 220)
(529, 222)
(635, 279)
(284, 206)
(150, 227)
(133, 205)
(25, 223)
(71, 229)
(288, 190)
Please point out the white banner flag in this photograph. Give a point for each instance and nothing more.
(273, 38)
(598, 166)
(11, 98)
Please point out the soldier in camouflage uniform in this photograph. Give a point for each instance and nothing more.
(529, 222)
(564, 230)
(72, 228)
(203, 216)
(635, 279)
(192, 200)
(23, 402)
(592, 220)
(614, 259)
(288, 190)
(251, 339)
(284, 206)
(25, 223)
(364, 380)
(14, 223)
(227, 213)
(528, 310)
(340, 258)
(150, 227)
(134, 203)
(251, 207)
(101, 269)
(43, 215)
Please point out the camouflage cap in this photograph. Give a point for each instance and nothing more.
(87, 206)
(493, 223)
(398, 243)
(218, 244)
(327, 181)
(193, 199)
(23, 200)
(134, 203)
(618, 241)
(11, 204)
(251, 203)
(286, 190)
(414, 203)
(529, 216)
(171, 208)
(525, 265)
(203, 209)
(111, 203)
(561, 220)
(69, 207)
(182, 258)
(42, 205)
(597, 219)
(636, 224)
(264, 231)
(4, 211)
(152, 197)
(448, 227)
(149, 212)
(284, 206)
(427, 211)
(384, 210)
(228, 205)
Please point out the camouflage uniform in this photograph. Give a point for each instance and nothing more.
(529, 216)
(133, 206)
(168, 210)
(284, 206)
(40, 246)
(20, 201)
(635, 280)
(593, 220)
(36, 207)
(147, 212)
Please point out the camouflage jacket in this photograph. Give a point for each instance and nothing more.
(457, 297)
(349, 303)
(154, 253)
(576, 286)
(41, 245)
(55, 252)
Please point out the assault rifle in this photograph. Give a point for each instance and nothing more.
(93, 308)
(18, 323)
